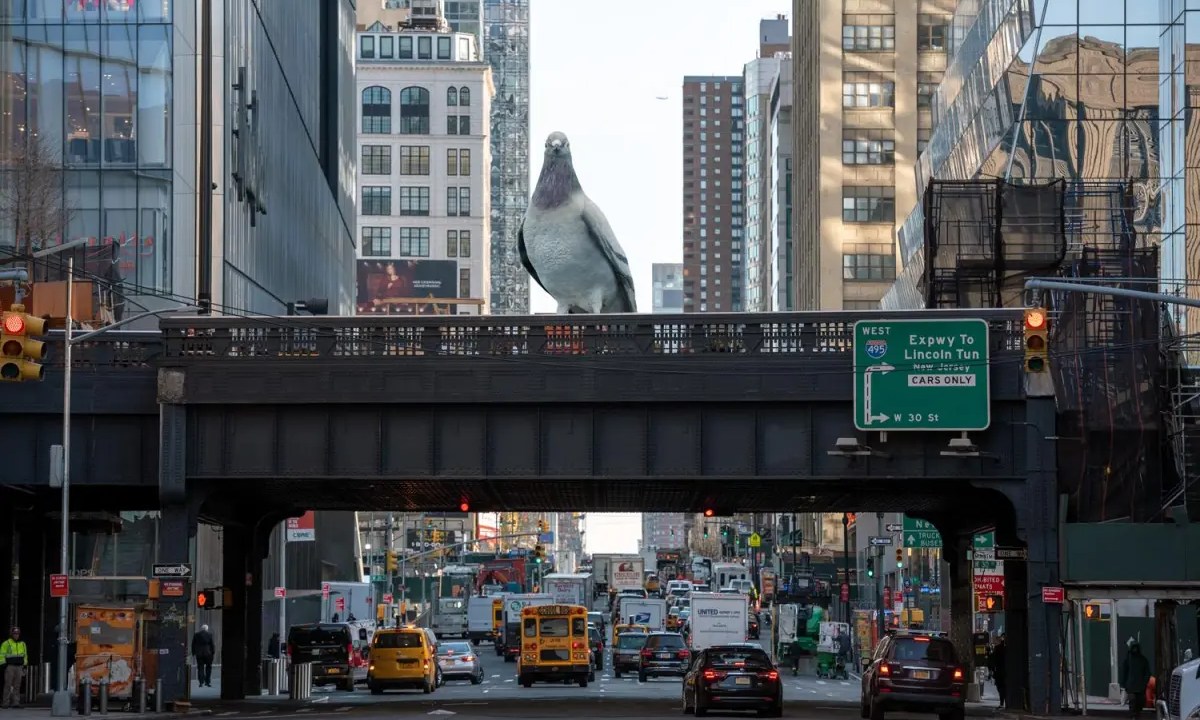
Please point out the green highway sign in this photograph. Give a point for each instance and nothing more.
(985, 540)
(921, 375)
(920, 534)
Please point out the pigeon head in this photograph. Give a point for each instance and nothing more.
(558, 181)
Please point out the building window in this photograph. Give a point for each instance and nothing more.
(366, 47)
(458, 202)
(931, 33)
(464, 243)
(860, 304)
(458, 162)
(464, 96)
(452, 97)
(414, 159)
(414, 242)
(458, 124)
(444, 48)
(377, 160)
(866, 33)
(414, 201)
(464, 282)
(414, 111)
(387, 47)
(406, 48)
(377, 242)
(376, 200)
(425, 48)
(867, 90)
(927, 84)
(451, 243)
(870, 262)
(376, 110)
(869, 204)
(868, 147)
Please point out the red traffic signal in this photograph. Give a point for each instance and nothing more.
(14, 323)
(206, 599)
(464, 506)
(19, 352)
(1035, 319)
(708, 512)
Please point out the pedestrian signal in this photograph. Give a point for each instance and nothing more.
(993, 603)
(1037, 331)
(1091, 611)
(206, 599)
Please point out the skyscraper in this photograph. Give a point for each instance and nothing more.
(506, 48)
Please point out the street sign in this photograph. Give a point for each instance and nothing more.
(172, 570)
(59, 586)
(340, 604)
(1054, 595)
(845, 592)
(879, 540)
(921, 375)
(1011, 553)
(379, 578)
(887, 596)
(988, 584)
(325, 590)
(985, 541)
(280, 592)
(173, 589)
(894, 527)
(387, 598)
(755, 540)
(920, 534)
(546, 538)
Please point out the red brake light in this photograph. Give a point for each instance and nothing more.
(710, 675)
(921, 639)
(885, 669)
(467, 658)
(958, 674)
(350, 650)
(770, 675)
(576, 646)
(647, 653)
(684, 653)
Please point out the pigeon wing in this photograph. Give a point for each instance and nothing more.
(525, 256)
(602, 234)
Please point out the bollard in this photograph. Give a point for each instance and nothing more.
(273, 668)
(158, 696)
(139, 695)
(33, 682)
(103, 700)
(300, 682)
(85, 696)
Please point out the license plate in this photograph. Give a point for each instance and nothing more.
(741, 681)
(664, 656)
(921, 674)
(334, 671)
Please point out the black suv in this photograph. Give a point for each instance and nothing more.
(328, 646)
(664, 654)
(733, 677)
(596, 641)
(914, 672)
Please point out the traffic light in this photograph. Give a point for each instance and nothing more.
(993, 603)
(706, 531)
(870, 567)
(19, 353)
(464, 506)
(206, 599)
(539, 552)
(1091, 611)
(1037, 335)
(708, 512)
(391, 564)
(899, 557)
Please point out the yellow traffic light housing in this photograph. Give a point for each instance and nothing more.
(391, 563)
(899, 557)
(1037, 340)
(19, 352)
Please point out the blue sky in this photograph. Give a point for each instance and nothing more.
(596, 74)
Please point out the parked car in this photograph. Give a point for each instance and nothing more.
(328, 646)
(914, 672)
(733, 677)
(458, 661)
(665, 653)
(627, 652)
(598, 619)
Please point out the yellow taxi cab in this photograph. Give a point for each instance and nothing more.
(554, 645)
(618, 629)
(401, 658)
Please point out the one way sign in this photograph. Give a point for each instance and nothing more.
(173, 570)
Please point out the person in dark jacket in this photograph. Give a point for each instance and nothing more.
(204, 649)
(273, 646)
(1135, 676)
(997, 664)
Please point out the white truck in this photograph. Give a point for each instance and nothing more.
(510, 643)
(450, 617)
(1181, 701)
(651, 612)
(569, 588)
(481, 617)
(600, 570)
(718, 619)
(725, 573)
(625, 572)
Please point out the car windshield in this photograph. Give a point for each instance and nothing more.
(665, 641)
(455, 648)
(631, 641)
(738, 657)
(398, 640)
(594, 635)
(320, 635)
(934, 651)
(596, 617)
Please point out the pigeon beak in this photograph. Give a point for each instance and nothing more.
(556, 146)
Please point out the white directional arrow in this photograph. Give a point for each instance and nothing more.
(882, 369)
(912, 540)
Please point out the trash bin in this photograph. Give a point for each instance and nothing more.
(300, 681)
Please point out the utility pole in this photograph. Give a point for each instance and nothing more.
(846, 565)
(881, 622)
(389, 580)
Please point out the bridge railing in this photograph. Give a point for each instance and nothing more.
(116, 349)
(192, 339)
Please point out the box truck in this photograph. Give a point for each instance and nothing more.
(569, 588)
(718, 619)
(481, 616)
(651, 612)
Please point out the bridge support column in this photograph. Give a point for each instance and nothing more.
(962, 606)
(176, 543)
(37, 550)
(241, 646)
(1033, 629)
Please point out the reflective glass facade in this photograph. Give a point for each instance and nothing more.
(91, 84)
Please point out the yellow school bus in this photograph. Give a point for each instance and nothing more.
(497, 621)
(554, 645)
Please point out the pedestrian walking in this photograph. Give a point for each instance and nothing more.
(204, 649)
(16, 657)
(273, 646)
(1135, 676)
(998, 665)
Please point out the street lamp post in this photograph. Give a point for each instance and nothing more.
(61, 702)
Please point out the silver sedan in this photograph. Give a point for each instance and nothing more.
(458, 661)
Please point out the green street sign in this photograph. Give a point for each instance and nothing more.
(985, 540)
(921, 375)
(920, 534)
(379, 578)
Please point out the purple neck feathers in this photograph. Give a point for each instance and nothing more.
(555, 184)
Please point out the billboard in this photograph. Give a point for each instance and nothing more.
(303, 528)
(407, 287)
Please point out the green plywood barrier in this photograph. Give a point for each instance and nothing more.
(1124, 552)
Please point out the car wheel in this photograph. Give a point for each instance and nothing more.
(499, 651)
(526, 682)
(876, 711)
(476, 679)
(864, 710)
(375, 689)
(591, 676)
(641, 677)
(616, 673)
(427, 687)
(701, 711)
(583, 681)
